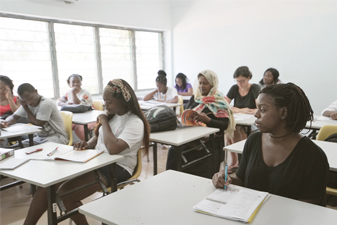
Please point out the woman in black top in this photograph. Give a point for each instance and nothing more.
(279, 159)
(210, 108)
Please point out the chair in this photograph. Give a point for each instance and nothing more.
(181, 101)
(98, 104)
(68, 121)
(323, 133)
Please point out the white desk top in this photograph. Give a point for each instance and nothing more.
(330, 149)
(168, 198)
(244, 119)
(186, 97)
(320, 121)
(46, 173)
(182, 135)
(27, 130)
(149, 104)
(87, 117)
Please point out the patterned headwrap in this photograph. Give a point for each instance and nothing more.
(117, 86)
(215, 102)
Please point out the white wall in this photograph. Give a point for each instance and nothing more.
(299, 38)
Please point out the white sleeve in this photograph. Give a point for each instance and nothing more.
(172, 93)
(86, 98)
(133, 132)
(332, 107)
(44, 112)
(20, 112)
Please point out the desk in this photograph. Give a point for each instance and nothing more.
(177, 138)
(169, 197)
(48, 173)
(27, 131)
(146, 105)
(245, 120)
(318, 123)
(86, 118)
(329, 148)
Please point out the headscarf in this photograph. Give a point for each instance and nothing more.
(215, 102)
(117, 86)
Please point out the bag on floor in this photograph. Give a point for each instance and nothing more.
(161, 118)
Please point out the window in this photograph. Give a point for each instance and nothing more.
(45, 52)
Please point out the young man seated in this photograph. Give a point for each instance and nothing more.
(331, 111)
(40, 111)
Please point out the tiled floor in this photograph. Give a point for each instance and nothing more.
(14, 202)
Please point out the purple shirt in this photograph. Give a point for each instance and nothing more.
(188, 85)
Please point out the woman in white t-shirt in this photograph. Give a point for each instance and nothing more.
(163, 93)
(122, 130)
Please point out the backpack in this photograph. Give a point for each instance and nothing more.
(161, 118)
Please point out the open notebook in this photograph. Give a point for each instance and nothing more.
(235, 203)
(65, 152)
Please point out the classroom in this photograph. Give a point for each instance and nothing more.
(297, 37)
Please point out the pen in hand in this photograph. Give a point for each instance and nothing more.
(52, 152)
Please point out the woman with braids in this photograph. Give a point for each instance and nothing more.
(278, 159)
(182, 87)
(122, 130)
(163, 93)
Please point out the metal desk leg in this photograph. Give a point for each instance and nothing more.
(249, 130)
(31, 139)
(51, 196)
(113, 181)
(86, 132)
(178, 158)
(155, 158)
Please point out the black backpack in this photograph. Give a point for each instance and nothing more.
(161, 118)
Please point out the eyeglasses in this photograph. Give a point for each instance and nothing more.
(240, 81)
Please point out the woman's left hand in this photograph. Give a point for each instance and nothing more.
(202, 117)
(102, 118)
(8, 92)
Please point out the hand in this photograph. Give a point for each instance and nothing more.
(81, 145)
(219, 180)
(250, 111)
(23, 103)
(333, 115)
(102, 118)
(8, 92)
(70, 103)
(3, 124)
(202, 117)
(75, 90)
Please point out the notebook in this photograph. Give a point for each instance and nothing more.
(235, 203)
(12, 163)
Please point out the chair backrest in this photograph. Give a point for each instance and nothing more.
(181, 101)
(68, 121)
(326, 131)
(98, 104)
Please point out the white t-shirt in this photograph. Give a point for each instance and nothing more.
(169, 95)
(54, 129)
(84, 96)
(332, 107)
(130, 128)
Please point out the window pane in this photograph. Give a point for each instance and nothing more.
(116, 55)
(76, 53)
(149, 58)
(25, 54)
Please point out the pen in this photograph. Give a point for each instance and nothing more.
(225, 161)
(52, 152)
(36, 150)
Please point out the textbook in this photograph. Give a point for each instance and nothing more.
(5, 153)
(234, 203)
(64, 152)
(188, 119)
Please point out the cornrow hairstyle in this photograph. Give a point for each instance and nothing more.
(298, 107)
(242, 71)
(25, 87)
(7, 81)
(183, 78)
(74, 75)
(161, 78)
(133, 106)
(275, 74)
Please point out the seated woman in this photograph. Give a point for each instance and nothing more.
(8, 102)
(244, 95)
(212, 109)
(162, 93)
(270, 77)
(77, 95)
(278, 159)
(122, 130)
(183, 88)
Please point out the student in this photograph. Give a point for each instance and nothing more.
(80, 96)
(212, 109)
(183, 88)
(76, 94)
(40, 111)
(270, 77)
(331, 111)
(123, 130)
(163, 93)
(244, 95)
(278, 159)
(8, 102)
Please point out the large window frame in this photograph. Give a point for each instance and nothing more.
(96, 27)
